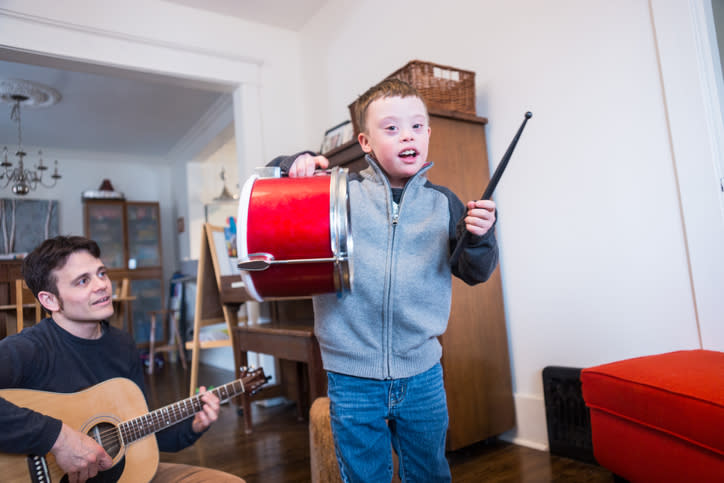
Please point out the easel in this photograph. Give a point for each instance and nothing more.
(216, 299)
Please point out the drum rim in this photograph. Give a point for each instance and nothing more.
(340, 232)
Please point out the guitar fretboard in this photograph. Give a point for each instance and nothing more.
(140, 427)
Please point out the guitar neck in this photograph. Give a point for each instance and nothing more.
(140, 427)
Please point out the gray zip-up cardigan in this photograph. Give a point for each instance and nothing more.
(387, 327)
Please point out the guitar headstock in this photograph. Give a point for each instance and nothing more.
(253, 379)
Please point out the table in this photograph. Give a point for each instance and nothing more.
(293, 341)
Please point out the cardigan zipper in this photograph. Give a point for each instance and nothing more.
(395, 218)
(387, 322)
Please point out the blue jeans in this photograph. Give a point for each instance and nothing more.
(370, 416)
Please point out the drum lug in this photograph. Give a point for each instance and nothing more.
(256, 262)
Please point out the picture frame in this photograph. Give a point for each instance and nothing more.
(337, 136)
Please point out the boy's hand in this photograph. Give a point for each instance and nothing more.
(481, 216)
(305, 165)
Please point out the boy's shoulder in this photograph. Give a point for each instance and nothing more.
(447, 192)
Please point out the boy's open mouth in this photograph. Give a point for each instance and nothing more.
(408, 153)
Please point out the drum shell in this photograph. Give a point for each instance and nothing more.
(289, 218)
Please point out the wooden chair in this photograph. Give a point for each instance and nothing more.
(122, 300)
(25, 299)
(170, 320)
(6, 313)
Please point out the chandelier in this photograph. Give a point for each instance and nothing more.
(23, 179)
(225, 194)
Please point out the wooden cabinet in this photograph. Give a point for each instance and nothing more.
(129, 235)
(475, 346)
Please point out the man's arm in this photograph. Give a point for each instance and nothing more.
(25, 431)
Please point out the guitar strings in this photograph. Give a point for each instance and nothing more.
(112, 434)
(116, 432)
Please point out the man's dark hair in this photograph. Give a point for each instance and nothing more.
(51, 255)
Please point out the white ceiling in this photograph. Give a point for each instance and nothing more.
(288, 14)
(106, 111)
(102, 113)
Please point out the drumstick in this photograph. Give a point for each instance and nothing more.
(491, 186)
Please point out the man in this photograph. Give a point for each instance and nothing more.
(73, 350)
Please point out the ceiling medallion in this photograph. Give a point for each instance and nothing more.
(37, 95)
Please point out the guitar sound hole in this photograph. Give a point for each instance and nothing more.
(108, 436)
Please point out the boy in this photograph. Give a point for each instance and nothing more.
(379, 342)
(72, 350)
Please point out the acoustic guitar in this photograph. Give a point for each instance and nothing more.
(114, 413)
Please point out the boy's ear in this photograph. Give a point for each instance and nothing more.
(364, 142)
(49, 301)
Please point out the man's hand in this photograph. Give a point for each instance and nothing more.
(209, 411)
(79, 455)
(481, 216)
(305, 164)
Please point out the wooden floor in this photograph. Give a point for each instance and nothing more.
(278, 448)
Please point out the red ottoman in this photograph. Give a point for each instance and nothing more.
(659, 418)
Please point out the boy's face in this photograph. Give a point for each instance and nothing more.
(84, 290)
(397, 136)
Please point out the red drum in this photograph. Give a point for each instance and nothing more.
(294, 237)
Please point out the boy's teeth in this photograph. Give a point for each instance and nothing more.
(409, 152)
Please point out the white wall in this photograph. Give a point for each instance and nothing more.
(693, 88)
(204, 184)
(593, 251)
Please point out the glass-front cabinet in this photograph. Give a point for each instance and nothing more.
(144, 247)
(104, 224)
(129, 236)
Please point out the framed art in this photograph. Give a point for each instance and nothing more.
(337, 136)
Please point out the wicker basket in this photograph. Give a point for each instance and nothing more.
(441, 86)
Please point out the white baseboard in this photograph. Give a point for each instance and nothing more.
(531, 429)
